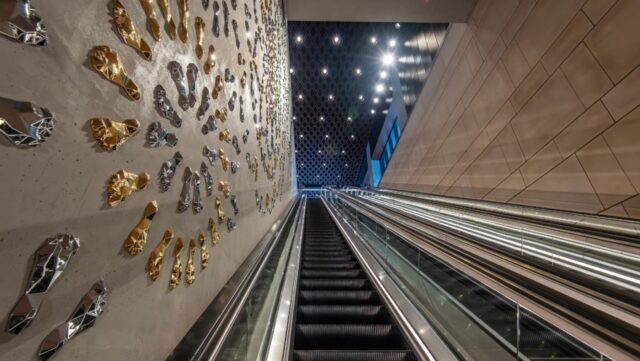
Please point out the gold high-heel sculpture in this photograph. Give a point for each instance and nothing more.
(190, 269)
(137, 240)
(199, 25)
(166, 13)
(204, 252)
(213, 232)
(176, 269)
(157, 255)
(183, 28)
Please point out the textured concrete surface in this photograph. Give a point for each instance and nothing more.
(60, 185)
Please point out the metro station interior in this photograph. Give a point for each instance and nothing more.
(304, 180)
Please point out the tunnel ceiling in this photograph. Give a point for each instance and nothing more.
(337, 110)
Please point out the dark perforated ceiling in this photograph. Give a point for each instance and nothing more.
(335, 68)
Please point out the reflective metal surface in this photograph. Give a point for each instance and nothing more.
(223, 160)
(163, 105)
(211, 155)
(176, 268)
(183, 28)
(123, 184)
(197, 198)
(199, 28)
(235, 166)
(19, 21)
(152, 19)
(210, 62)
(157, 136)
(49, 261)
(192, 77)
(168, 170)
(221, 114)
(190, 269)
(137, 239)
(213, 232)
(217, 87)
(177, 74)
(185, 195)
(205, 103)
(210, 125)
(204, 251)
(219, 210)
(111, 134)
(225, 188)
(208, 179)
(236, 146)
(157, 255)
(234, 204)
(170, 26)
(106, 62)
(128, 32)
(225, 136)
(24, 123)
(83, 317)
(231, 225)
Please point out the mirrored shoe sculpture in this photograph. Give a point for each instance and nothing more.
(157, 255)
(219, 210)
(163, 105)
(110, 134)
(210, 62)
(177, 74)
(152, 19)
(231, 225)
(205, 103)
(225, 188)
(192, 78)
(19, 21)
(211, 155)
(185, 196)
(123, 184)
(83, 317)
(210, 125)
(197, 198)
(128, 32)
(234, 204)
(137, 239)
(157, 136)
(168, 170)
(49, 261)
(208, 178)
(106, 62)
(24, 123)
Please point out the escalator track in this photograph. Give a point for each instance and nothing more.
(340, 316)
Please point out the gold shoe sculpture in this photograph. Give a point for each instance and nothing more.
(111, 134)
(123, 184)
(225, 136)
(106, 62)
(183, 28)
(176, 269)
(166, 13)
(190, 269)
(152, 19)
(217, 88)
(137, 240)
(223, 160)
(225, 188)
(213, 232)
(211, 60)
(199, 25)
(221, 114)
(219, 210)
(204, 252)
(157, 255)
(254, 168)
(128, 31)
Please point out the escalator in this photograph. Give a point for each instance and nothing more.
(340, 316)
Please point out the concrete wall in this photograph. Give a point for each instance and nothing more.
(532, 102)
(60, 185)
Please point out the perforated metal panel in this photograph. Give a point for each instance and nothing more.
(332, 123)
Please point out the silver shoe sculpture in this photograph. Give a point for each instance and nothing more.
(205, 103)
(211, 125)
(211, 155)
(24, 123)
(163, 105)
(197, 199)
(168, 170)
(185, 196)
(177, 74)
(208, 179)
(19, 21)
(192, 77)
(158, 136)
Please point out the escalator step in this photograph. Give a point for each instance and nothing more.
(331, 273)
(348, 337)
(335, 284)
(342, 314)
(316, 355)
(326, 259)
(327, 253)
(325, 265)
(339, 297)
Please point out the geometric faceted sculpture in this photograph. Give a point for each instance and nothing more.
(197, 199)
(199, 25)
(234, 204)
(223, 159)
(111, 134)
(217, 88)
(175, 69)
(210, 62)
(157, 255)
(166, 13)
(215, 29)
(219, 210)
(210, 125)
(210, 154)
(208, 179)
(205, 103)
(134, 244)
(204, 252)
(19, 21)
(221, 114)
(49, 261)
(185, 196)
(152, 19)
(231, 224)
(168, 170)
(24, 123)
(106, 62)
(190, 269)
(213, 232)
(128, 31)
(123, 184)
(192, 76)
(82, 318)
(176, 269)
(183, 9)
(163, 105)
(158, 136)
(225, 136)
(235, 166)
(225, 188)
(254, 168)
(236, 146)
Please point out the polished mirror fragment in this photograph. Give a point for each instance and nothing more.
(168, 170)
(210, 125)
(234, 24)
(49, 261)
(157, 255)
(190, 268)
(234, 204)
(111, 134)
(183, 28)
(232, 101)
(208, 178)
(204, 252)
(137, 239)
(185, 196)
(163, 105)
(128, 31)
(123, 184)
(231, 225)
(166, 13)
(157, 136)
(192, 77)
(197, 198)
(177, 75)
(213, 231)
(83, 317)
(106, 62)
(199, 27)
(205, 103)
(24, 123)
(176, 268)
(19, 21)
(152, 20)
(211, 154)
(219, 210)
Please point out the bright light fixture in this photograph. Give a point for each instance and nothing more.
(325, 71)
(373, 111)
(300, 96)
(361, 98)
(330, 96)
(387, 59)
(299, 39)
(373, 40)
(397, 25)
(321, 118)
(349, 119)
(336, 39)
(358, 71)
(376, 100)
(384, 74)
(379, 88)
(291, 70)
(392, 43)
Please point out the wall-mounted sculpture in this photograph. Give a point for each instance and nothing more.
(241, 109)
(235, 166)
(190, 269)
(199, 27)
(19, 21)
(219, 210)
(215, 29)
(234, 24)
(211, 154)
(157, 255)
(221, 114)
(254, 168)
(225, 136)
(231, 225)
(228, 76)
(83, 317)
(192, 77)
(232, 101)
(176, 268)
(234, 204)
(204, 252)
(168, 170)
(205, 4)
(185, 196)
(217, 87)
(183, 28)
(210, 125)
(24, 123)
(111, 134)
(106, 62)
(236, 145)
(208, 179)
(123, 184)
(170, 26)
(137, 239)
(210, 62)
(197, 199)
(128, 31)
(163, 105)
(225, 188)
(205, 103)
(158, 136)
(152, 19)
(225, 15)
(213, 232)
(223, 160)
(245, 136)
(177, 75)
(49, 261)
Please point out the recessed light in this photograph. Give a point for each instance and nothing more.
(301, 136)
(325, 71)
(384, 74)
(349, 119)
(319, 151)
(330, 96)
(336, 39)
(298, 39)
(373, 40)
(361, 98)
(373, 111)
(300, 96)
(353, 136)
(326, 136)
(379, 88)
(294, 117)
(387, 59)
(358, 71)
(397, 25)
(376, 100)
(291, 70)
(343, 152)
(322, 118)
(324, 164)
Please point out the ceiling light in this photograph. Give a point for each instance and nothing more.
(326, 136)
(299, 39)
(384, 74)
(291, 70)
(387, 59)
(392, 43)
(349, 119)
(373, 40)
(361, 98)
(325, 71)
(324, 164)
(330, 96)
(397, 25)
(319, 151)
(301, 136)
(358, 71)
(343, 152)
(376, 100)
(346, 165)
(379, 88)
(336, 39)
(321, 118)
(300, 96)
(353, 136)
(373, 111)
(294, 117)
(302, 164)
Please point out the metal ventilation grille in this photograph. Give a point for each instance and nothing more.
(332, 109)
